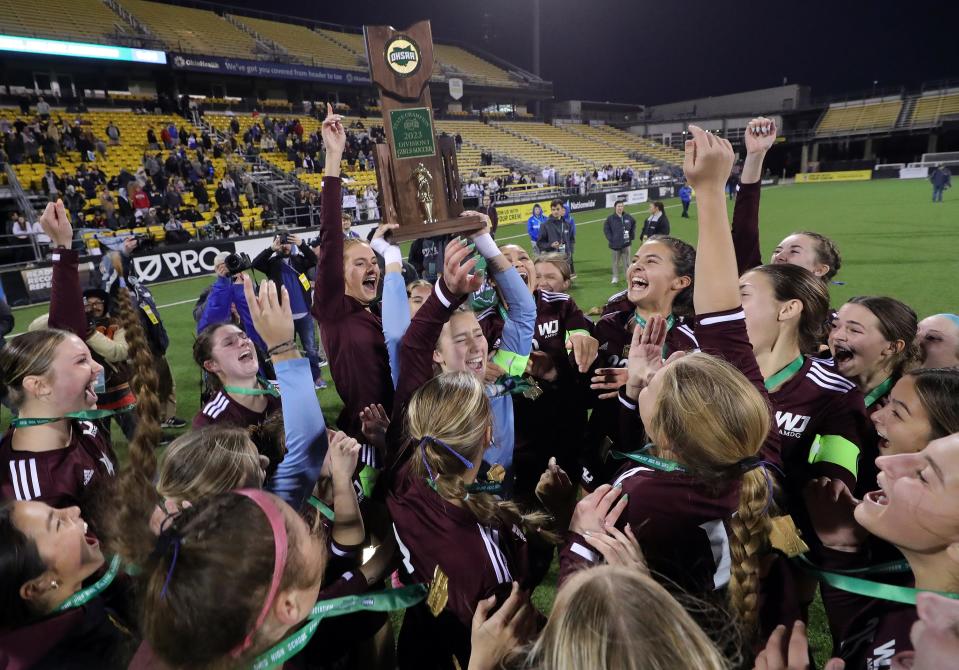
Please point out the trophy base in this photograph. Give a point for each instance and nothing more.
(464, 225)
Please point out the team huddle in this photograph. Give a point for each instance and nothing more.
(715, 450)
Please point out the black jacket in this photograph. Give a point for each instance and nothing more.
(660, 227)
(554, 230)
(620, 231)
(269, 263)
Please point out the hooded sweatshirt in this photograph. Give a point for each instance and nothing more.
(534, 222)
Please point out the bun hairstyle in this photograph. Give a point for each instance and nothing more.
(897, 323)
(791, 282)
(26, 355)
(448, 420)
(712, 419)
(684, 265)
(210, 460)
(938, 391)
(827, 253)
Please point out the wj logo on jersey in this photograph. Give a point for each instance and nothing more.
(791, 425)
(549, 329)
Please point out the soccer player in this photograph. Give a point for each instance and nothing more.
(56, 450)
(923, 406)
(553, 273)
(939, 341)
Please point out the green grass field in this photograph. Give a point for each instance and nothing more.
(893, 240)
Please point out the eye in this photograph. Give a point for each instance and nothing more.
(896, 414)
(920, 477)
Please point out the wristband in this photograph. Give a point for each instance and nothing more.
(390, 252)
(486, 246)
(273, 350)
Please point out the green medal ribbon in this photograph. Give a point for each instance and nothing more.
(83, 596)
(785, 374)
(641, 322)
(656, 463)
(878, 392)
(385, 601)
(267, 389)
(88, 414)
(475, 487)
(322, 508)
(864, 587)
(513, 385)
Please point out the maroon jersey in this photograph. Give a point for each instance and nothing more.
(223, 410)
(746, 227)
(479, 561)
(62, 477)
(352, 335)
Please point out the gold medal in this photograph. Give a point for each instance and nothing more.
(784, 536)
(497, 473)
(439, 592)
(534, 391)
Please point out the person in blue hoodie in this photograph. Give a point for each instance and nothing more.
(533, 224)
(568, 218)
(685, 195)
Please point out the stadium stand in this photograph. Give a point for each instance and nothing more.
(582, 153)
(859, 116)
(83, 20)
(649, 149)
(490, 137)
(308, 46)
(472, 66)
(192, 30)
(930, 109)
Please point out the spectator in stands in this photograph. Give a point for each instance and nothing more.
(172, 199)
(489, 210)
(268, 216)
(109, 207)
(21, 232)
(620, 231)
(533, 223)
(459, 141)
(174, 232)
(226, 223)
(140, 200)
(348, 232)
(152, 138)
(941, 179)
(200, 195)
(657, 223)
(43, 108)
(685, 196)
(52, 185)
(74, 202)
(369, 199)
(246, 179)
(113, 133)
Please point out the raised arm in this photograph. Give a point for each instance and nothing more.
(707, 164)
(306, 439)
(66, 296)
(760, 136)
(330, 283)
(395, 307)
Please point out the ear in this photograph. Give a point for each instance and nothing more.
(288, 609)
(791, 309)
(39, 589)
(821, 270)
(894, 348)
(438, 357)
(211, 366)
(36, 386)
(680, 283)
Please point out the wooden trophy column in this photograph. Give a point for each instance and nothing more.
(416, 171)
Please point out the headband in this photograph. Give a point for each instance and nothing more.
(952, 317)
(429, 438)
(280, 546)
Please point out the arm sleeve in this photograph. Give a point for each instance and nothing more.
(607, 230)
(396, 319)
(66, 298)
(217, 306)
(261, 261)
(574, 320)
(575, 554)
(542, 240)
(306, 437)
(842, 435)
(113, 350)
(517, 337)
(746, 227)
(328, 294)
(309, 256)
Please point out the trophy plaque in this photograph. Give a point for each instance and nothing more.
(416, 171)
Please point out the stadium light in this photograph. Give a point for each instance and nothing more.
(29, 45)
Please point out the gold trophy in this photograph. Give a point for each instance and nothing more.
(424, 191)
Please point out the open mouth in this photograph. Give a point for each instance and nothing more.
(88, 537)
(903, 660)
(843, 354)
(475, 364)
(883, 441)
(638, 284)
(877, 498)
(246, 356)
(369, 283)
(90, 394)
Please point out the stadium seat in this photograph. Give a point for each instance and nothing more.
(310, 47)
(78, 20)
(859, 116)
(192, 30)
(931, 108)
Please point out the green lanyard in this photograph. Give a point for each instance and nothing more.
(656, 463)
(88, 414)
(670, 322)
(83, 596)
(266, 389)
(878, 392)
(870, 589)
(475, 487)
(384, 601)
(784, 374)
(322, 508)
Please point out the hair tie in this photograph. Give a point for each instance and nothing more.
(744, 465)
(429, 438)
(169, 537)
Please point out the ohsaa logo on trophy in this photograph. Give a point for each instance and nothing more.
(403, 56)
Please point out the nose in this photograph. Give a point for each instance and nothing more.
(72, 513)
(899, 465)
(97, 369)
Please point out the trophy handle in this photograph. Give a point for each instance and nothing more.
(386, 181)
(451, 179)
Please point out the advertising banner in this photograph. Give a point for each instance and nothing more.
(914, 173)
(37, 281)
(849, 175)
(255, 68)
(633, 197)
(178, 261)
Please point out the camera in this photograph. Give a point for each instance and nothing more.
(237, 263)
(284, 237)
(144, 241)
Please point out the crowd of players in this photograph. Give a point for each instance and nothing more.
(719, 445)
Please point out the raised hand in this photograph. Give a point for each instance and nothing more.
(646, 355)
(760, 135)
(456, 272)
(488, 223)
(494, 637)
(594, 511)
(271, 316)
(56, 225)
(374, 422)
(608, 380)
(585, 348)
(708, 160)
(831, 510)
(792, 655)
(344, 455)
(555, 490)
(334, 136)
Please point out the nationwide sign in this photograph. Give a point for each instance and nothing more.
(29, 45)
(255, 68)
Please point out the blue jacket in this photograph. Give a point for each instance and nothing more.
(534, 222)
(685, 193)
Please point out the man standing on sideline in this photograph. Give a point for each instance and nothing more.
(286, 263)
(685, 196)
(620, 231)
(657, 223)
(489, 209)
(554, 232)
(941, 179)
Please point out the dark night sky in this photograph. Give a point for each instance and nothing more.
(653, 52)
